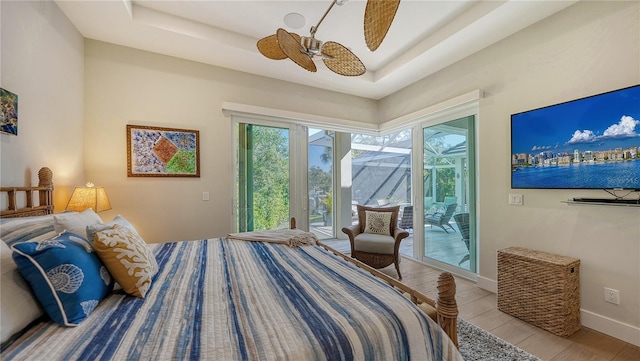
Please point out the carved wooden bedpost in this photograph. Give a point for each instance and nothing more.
(45, 180)
(447, 306)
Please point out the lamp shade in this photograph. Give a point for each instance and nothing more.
(89, 197)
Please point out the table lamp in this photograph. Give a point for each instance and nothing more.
(89, 196)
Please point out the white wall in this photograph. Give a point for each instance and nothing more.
(41, 57)
(589, 48)
(127, 86)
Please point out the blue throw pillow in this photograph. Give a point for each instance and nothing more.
(65, 274)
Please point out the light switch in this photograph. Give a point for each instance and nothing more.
(205, 196)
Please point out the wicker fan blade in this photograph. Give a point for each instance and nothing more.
(293, 49)
(341, 60)
(295, 36)
(378, 16)
(268, 46)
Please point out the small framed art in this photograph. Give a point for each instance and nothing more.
(9, 110)
(162, 152)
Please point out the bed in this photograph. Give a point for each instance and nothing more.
(224, 299)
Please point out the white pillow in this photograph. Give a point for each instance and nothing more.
(378, 223)
(26, 229)
(76, 222)
(19, 305)
(119, 220)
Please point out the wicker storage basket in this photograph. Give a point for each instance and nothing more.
(540, 288)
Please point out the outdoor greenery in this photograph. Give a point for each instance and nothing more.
(445, 183)
(434, 146)
(270, 178)
(319, 180)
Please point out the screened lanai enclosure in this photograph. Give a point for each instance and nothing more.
(382, 175)
(381, 169)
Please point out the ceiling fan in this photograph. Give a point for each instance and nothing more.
(302, 50)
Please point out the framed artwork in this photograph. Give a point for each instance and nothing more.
(9, 107)
(162, 152)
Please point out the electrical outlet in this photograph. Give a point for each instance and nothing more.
(611, 295)
(515, 199)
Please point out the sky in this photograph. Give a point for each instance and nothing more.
(600, 122)
(315, 159)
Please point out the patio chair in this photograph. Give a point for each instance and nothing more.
(373, 241)
(441, 219)
(406, 221)
(462, 222)
(441, 206)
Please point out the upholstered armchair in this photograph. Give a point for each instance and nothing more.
(375, 239)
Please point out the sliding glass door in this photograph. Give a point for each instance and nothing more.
(449, 193)
(320, 183)
(284, 171)
(262, 177)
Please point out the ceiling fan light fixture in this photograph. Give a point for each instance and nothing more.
(312, 45)
(302, 50)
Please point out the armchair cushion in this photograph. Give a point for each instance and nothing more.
(374, 243)
(378, 223)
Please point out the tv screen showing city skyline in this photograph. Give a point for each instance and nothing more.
(591, 142)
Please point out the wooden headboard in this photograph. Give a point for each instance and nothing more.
(44, 193)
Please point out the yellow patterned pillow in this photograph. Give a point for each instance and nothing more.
(128, 259)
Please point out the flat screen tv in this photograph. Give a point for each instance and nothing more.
(588, 143)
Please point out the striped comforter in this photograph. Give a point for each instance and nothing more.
(221, 299)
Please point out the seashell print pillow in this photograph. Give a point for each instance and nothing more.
(128, 259)
(378, 223)
(65, 274)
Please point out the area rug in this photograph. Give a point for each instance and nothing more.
(477, 344)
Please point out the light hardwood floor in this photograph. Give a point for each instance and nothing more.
(479, 307)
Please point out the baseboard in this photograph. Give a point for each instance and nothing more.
(620, 330)
(487, 284)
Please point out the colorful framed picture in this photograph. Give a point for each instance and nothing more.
(9, 117)
(162, 152)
